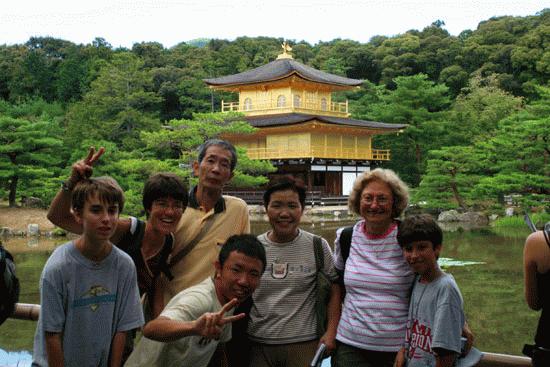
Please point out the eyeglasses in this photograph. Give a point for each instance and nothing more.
(381, 200)
(164, 205)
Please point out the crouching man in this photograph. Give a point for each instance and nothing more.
(189, 329)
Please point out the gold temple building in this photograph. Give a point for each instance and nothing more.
(299, 126)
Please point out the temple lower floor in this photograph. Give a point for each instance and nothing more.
(329, 177)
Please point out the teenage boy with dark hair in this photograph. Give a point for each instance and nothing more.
(189, 329)
(436, 315)
(88, 289)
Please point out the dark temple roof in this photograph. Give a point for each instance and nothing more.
(296, 118)
(280, 69)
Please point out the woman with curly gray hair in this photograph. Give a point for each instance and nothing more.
(376, 277)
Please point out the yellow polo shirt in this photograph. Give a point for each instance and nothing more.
(230, 216)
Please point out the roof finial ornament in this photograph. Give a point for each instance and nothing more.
(286, 49)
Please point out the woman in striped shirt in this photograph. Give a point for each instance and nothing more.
(377, 279)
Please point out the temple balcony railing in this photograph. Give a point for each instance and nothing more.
(318, 152)
(336, 109)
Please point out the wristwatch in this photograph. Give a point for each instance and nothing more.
(67, 186)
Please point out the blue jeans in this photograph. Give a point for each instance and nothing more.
(347, 355)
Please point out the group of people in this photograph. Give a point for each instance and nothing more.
(190, 277)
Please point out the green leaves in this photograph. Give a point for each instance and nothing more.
(29, 151)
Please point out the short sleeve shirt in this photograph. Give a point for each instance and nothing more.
(194, 351)
(88, 302)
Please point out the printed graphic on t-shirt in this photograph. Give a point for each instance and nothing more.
(279, 270)
(94, 297)
(420, 339)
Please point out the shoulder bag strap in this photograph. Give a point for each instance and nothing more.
(164, 255)
(191, 245)
(345, 242)
(318, 248)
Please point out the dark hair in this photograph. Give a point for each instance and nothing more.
(105, 187)
(246, 244)
(220, 143)
(9, 285)
(421, 227)
(286, 183)
(161, 185)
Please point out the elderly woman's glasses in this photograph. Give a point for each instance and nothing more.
(381, 200)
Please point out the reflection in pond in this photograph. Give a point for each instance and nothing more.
(446, 262)
(15, 359)
(486, 263)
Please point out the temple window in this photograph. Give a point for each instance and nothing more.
(281, 101)
(247, 104)
(297, 100)
(323, 104)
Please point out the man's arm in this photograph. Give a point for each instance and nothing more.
(117, 349)
(334, 308)
(163, 329)
(444, 357)
(532, 252)
(209, 325)
(54, 349)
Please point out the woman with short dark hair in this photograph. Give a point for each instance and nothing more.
(283, 323)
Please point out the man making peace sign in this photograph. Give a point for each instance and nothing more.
(188, 330)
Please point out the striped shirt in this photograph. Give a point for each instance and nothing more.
(378, 283)
(284, 302)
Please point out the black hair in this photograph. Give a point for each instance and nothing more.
(9, 285)
(246, 244)
(421, 227)
(286, 183)
(220, 143)
(161, 185)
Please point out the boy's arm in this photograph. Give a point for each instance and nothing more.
(209, 325)
(54, 349)
(467, 333)
(117, 349)
(400, 358)
(444, 357)
(334, 308)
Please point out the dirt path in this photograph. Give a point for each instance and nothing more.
(19, 218)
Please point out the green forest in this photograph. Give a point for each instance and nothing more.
(477, 106)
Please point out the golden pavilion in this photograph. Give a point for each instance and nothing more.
(300, 128)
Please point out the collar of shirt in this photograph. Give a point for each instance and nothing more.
(193, 202)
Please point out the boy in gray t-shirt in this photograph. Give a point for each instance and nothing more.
(436, 316)
(88, 288)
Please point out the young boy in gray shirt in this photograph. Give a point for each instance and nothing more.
(436, 316)
(88, 289)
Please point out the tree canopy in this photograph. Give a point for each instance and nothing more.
(476, 106)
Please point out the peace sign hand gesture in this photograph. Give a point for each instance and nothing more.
(210, 324)
(83, 169)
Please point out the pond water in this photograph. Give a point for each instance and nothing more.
(486, 263)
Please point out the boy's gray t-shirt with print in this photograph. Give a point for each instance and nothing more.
(88, 303)
(436, 319)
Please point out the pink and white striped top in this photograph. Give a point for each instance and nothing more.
(378, 283)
